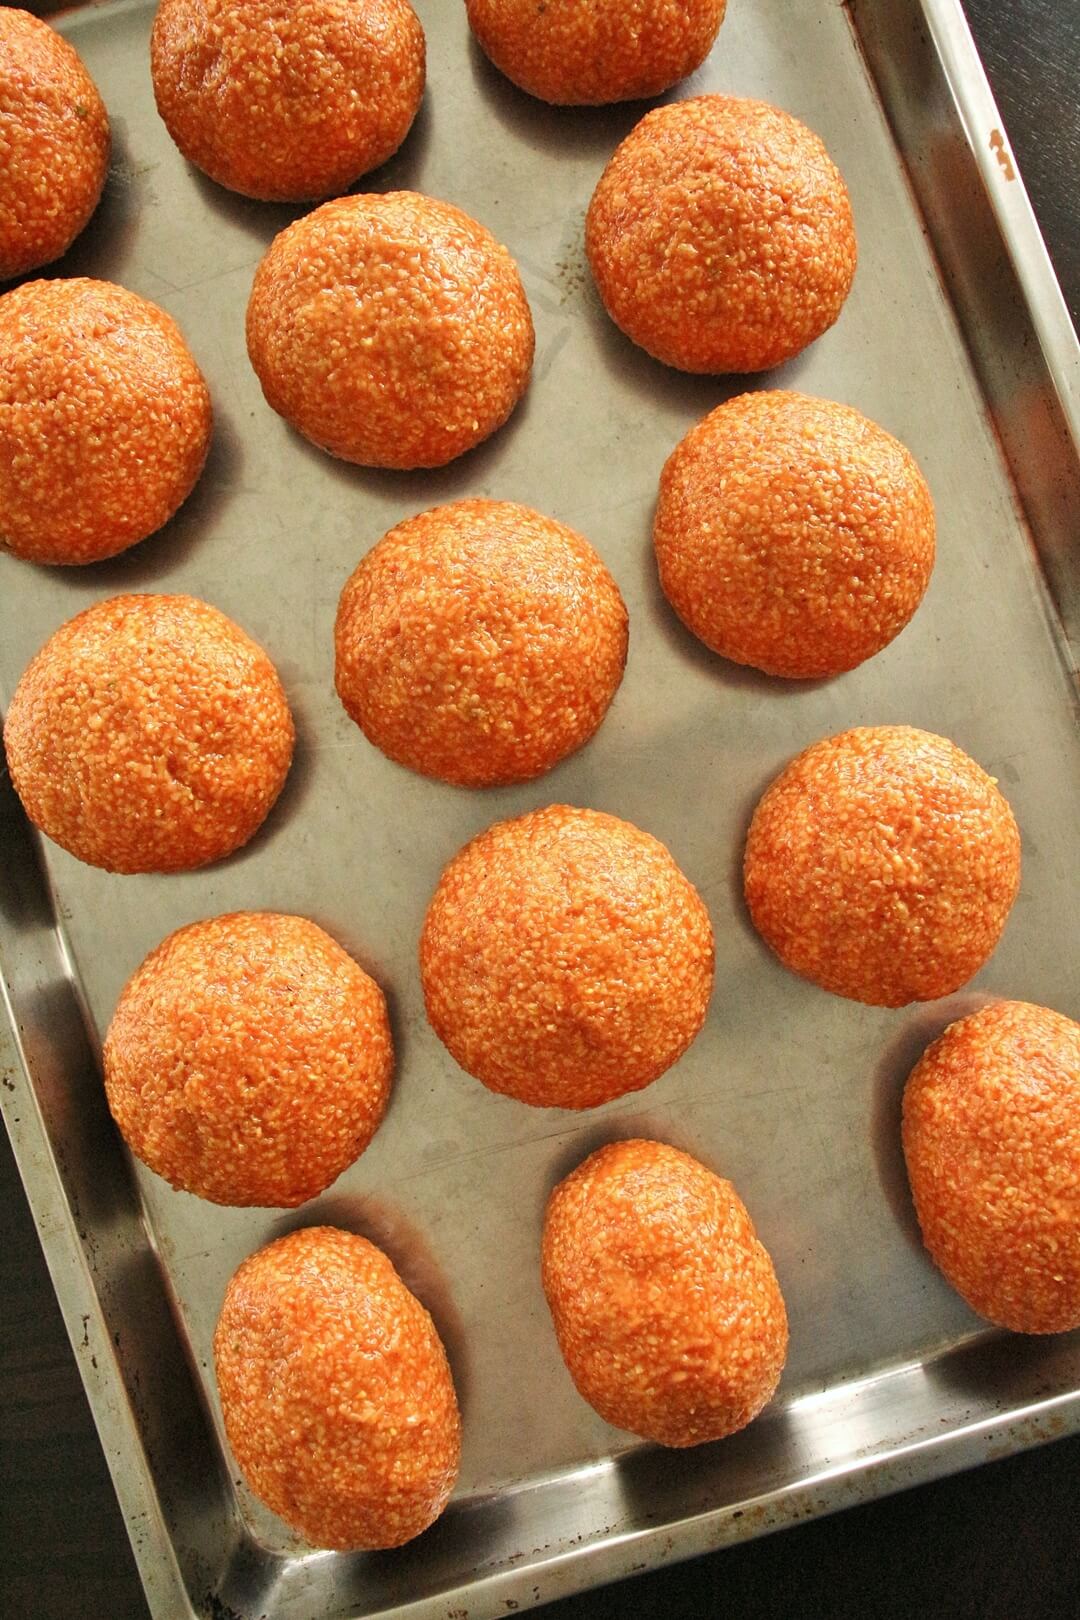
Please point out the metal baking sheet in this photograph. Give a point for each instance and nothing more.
(956, 340)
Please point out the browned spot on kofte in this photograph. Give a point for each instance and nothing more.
(149, 734)
(608, 50)
(287, 99)
(882, 864)
(565, 958)
(720, 235)
(793, 534)
(54, 144)
(249, 1060)
(992, 1142)
(105, 420)
(390, 330)
(337, 1397)
(480, 643)
(666, 1306)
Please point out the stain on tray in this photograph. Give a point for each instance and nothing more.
(215, 1608)
(571, 273)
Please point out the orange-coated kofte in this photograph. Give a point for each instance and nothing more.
(609, 50)
(666, 1305)
(336, 1393)
(105, 420)
(249, 1060)
(149, 734)
(992, 1142)
(565, 958)
(720, 235)
(480, 643)
(390, 330)
(882, 864)
(793, 534)
(286, 100)
(54, 144)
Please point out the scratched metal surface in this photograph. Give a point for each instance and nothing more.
(791, 1093)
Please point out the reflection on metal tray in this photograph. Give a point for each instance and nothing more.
(790, 1092)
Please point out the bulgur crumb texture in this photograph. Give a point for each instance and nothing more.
(882, 864)
(337, 1397)
(390, 330)
(565, 958)
(992, 1142)
(249, 1060)
(54, 144)
(149, 734)
(586, 55)
(480, 643)
(721, 236)
(666, 1306)
(793, 534)
(287, 100)
(105, 420)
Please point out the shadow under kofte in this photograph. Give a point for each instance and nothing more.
(925, 1023)
(105, 245)
(149, 563)
(635, 1116)
(663, 388)
(384, 1226)
(289, 802)
(737, 677)
(558, 132)
(263, 220)
(661, 1483)
(405, 169)
(418, 489)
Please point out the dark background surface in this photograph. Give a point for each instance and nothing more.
(1001, 1542)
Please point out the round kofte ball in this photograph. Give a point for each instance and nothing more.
(390, 330)
(54, 144)
(287, 100)
(105, 420)
(336, 1393)
(882, 864)
(249, 1060)
(149, 734)
(992, 1142)
(587, 55)
(565, 958)
(666, 1306)
(720, 235)
(793, 534)
(480, 643)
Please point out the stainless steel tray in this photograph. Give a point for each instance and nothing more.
(792, 1093)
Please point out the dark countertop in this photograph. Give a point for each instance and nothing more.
(1000, 1543)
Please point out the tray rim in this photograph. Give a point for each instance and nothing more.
(607, 1558)
(1025, 246)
